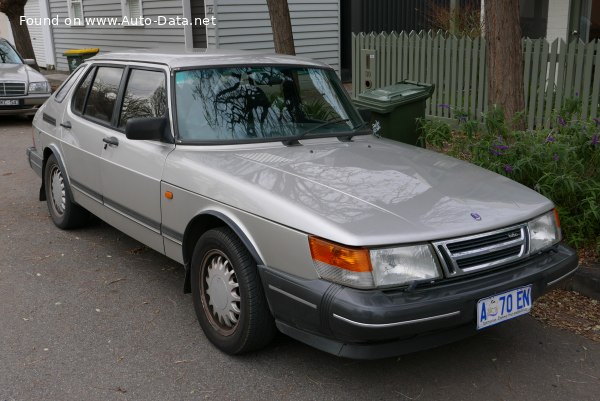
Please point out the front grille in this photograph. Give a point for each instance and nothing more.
(12, 89)
(474, 253)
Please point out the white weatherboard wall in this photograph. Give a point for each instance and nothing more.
(32, 10)
(558, 20)
(246, 25)
(111, 38)
(5, 29)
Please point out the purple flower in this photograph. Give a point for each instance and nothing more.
(508, 168)
(501, 147)
(576, 94)
(550, 139)
(555, 157)
(594, 140)
(495, 152)
(561, 121)
(597, 121)
(444, 106)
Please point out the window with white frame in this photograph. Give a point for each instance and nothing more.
(132, 9)
(76, 12)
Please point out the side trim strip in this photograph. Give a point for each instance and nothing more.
(132, 215)
(406, 322)
(562, 277)
(295, 298)
(172, 235)
(165, 236)
(86, 190)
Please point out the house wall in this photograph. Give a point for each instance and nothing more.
(36, 32)
(246, 25)
(558, 20)
(111, 38)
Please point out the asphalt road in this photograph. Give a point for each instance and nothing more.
(91, 315)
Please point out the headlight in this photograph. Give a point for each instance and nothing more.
(394, 266)
(39, 87)
(361, 268)
(544, 231)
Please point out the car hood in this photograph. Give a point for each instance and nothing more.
(19, 72)
(367, 192)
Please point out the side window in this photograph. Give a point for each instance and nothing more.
(145, 96)
(103, 95)
(66, 87)
(81, 92)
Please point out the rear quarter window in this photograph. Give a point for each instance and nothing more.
(68, 84)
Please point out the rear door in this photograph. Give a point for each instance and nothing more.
(84, 124)
(131, 170)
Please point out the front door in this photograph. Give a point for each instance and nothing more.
(132, 169)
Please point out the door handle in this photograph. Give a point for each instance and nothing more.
(66, 124)
(110, 141)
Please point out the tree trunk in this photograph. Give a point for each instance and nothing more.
(282, 27)
(504, 56)
(14, 9)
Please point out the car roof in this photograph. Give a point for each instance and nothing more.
(181, 58)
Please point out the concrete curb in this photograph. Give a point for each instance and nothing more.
(586, 281)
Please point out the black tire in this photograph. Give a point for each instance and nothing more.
(64, 213)
(219, 255)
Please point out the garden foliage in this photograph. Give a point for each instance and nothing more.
(562, 163)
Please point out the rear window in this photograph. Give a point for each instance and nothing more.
(103, 95)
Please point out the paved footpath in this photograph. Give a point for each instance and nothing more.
(91, 315)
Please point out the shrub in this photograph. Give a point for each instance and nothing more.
(562, 163)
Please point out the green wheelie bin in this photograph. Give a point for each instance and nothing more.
(395, 109)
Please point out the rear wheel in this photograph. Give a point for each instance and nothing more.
(228, 297)
(65, 214)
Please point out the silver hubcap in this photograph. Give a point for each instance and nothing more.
(222, 292)
(57, 190)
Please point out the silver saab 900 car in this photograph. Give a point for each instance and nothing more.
(22, 89)
(258, 175)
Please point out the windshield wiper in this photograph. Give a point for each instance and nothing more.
(294, 140)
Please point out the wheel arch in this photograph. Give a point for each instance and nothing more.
(49, 150)
(201, 223)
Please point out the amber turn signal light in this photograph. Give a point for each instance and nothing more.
(556, 218)
(353, 259)
(169, 195)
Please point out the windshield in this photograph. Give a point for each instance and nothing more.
(8, 55)
(261, 103)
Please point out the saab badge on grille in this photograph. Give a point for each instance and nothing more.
(476, 216)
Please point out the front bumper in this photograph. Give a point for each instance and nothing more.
(29, 104)
(371, 324)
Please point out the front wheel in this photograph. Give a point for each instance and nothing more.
(65, 214)
(228, 296)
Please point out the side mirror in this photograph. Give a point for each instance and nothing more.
(146, 128)
(29, 61)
